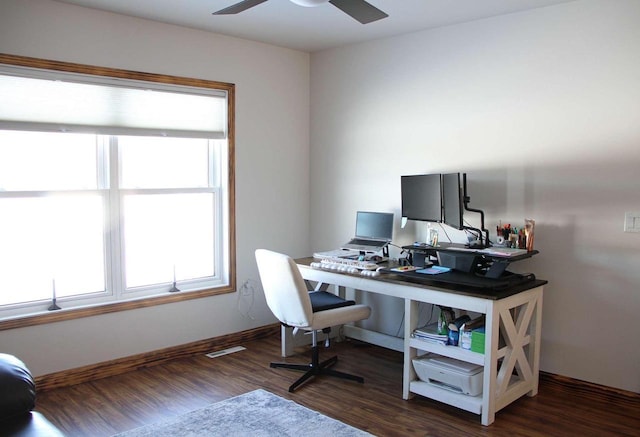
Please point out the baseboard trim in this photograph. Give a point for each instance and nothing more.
(590, 388)
(105, 369)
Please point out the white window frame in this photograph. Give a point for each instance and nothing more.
(117, 195)
(116, 297)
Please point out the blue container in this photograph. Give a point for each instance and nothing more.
(452, 337)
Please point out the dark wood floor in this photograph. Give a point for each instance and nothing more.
(111, 405)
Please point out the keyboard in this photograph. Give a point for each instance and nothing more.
(360, 265)
(338, 253)
(366, 268)
(503, 251)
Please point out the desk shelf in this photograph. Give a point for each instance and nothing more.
(448, 351)
(512, 347)
(472, 404)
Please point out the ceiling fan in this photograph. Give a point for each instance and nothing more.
(358, 9)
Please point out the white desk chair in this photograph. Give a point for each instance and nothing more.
(290, 301)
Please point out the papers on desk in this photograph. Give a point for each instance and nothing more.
(405, 269)
(430, 333)
(433, 270)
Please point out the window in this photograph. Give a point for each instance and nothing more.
(113, 191)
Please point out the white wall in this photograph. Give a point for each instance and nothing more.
(272, 181)
(542, 110)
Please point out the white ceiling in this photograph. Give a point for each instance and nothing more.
(285, 24)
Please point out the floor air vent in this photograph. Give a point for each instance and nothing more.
(225, 351)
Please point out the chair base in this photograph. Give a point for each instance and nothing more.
(315, 368)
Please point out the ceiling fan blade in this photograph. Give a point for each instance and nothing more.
(360, 10)
(239, 7)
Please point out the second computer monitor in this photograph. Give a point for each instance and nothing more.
(452, 200)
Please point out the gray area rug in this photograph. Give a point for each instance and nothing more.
(256, 414)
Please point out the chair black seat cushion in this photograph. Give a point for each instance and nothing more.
(17, 388)
(323, 300)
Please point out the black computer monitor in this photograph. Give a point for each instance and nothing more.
(452, 200)
(421, 197)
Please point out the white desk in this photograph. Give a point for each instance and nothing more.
(512, 343)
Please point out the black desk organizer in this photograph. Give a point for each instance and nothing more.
(469, 267)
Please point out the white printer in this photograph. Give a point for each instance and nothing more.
(450, 374)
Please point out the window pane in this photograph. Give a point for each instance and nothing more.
(47, 161)
(155, 162)
(50, 238)
(163, 232)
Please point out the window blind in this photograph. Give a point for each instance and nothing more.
(68, 102)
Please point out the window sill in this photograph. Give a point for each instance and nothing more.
(77, 313)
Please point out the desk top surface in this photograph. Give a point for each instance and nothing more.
(490, 289)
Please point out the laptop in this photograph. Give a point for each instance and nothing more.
(373, 231)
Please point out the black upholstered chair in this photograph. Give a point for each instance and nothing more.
(17, 401)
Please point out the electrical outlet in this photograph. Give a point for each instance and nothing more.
(632, 222)
(246, 289)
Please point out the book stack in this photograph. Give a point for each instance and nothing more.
(430, 334)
